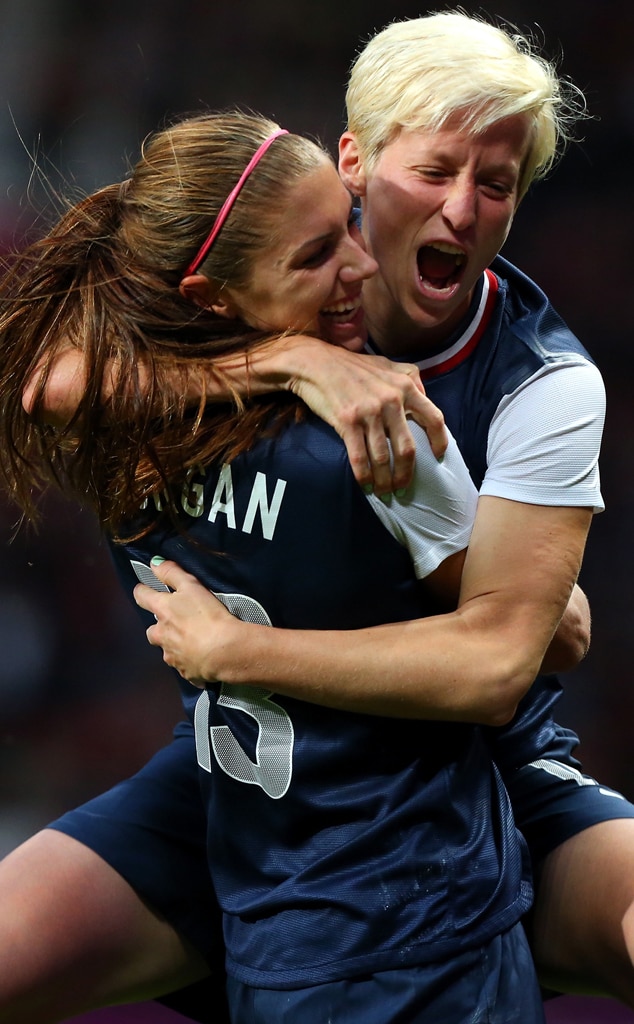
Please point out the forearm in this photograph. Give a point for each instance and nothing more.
(273, 366)
(472, 665)
(455, 667)
(61, 387)
(366, 399)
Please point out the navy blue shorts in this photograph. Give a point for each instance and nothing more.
(552, 802)
(495, 984)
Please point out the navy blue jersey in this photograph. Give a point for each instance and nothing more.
(505, 341)
(339, 843)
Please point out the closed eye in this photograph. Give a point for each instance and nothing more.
(318, 256)
(433, 173)
(498, 189)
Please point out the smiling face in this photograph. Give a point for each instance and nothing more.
(310, 278)
(437, 207)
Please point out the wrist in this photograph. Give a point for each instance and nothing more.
(287, 363)
(244, 659)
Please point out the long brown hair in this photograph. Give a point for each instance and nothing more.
(106, 280)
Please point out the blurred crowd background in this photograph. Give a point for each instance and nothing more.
(83, 699)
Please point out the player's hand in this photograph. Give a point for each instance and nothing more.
(368, 399)
(195, 631)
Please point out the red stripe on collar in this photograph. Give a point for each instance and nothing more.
(468, 340)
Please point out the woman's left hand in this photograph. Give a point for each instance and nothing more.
(193, 628)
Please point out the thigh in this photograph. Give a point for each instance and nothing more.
(76, 936)
(152, 829)
(583, 918)
(495, 984)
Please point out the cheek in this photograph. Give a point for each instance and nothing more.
(387, 240)
(302, 306)
(498, 221)
(399, 215)
(494, 236)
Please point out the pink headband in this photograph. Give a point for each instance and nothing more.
(229, 201)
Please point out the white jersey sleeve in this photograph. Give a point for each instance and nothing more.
(435, 517)
(545, 437)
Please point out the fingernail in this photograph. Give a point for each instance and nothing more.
(441, 458)
(368, 488)
(157, 560)
(385, 498)
(401, 492)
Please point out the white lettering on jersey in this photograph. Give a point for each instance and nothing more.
(192, 498)
(223, 501)
(272, 769)
(259, 502)
(273, 766)
(157, 500)
(224, 489)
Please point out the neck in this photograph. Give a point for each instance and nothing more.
(400, 336)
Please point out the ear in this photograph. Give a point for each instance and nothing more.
(198, 289)
(351, 169)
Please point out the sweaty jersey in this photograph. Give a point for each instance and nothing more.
(526, 405)
(339, 843)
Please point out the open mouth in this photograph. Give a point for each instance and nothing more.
(343, 310)
(441, 265)
(341, 324)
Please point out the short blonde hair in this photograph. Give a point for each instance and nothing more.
(419, 73)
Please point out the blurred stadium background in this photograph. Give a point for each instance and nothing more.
(83, 700)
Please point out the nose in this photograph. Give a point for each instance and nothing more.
(460, 205)
(357, 264)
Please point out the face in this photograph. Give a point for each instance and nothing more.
(310, 280)
(437, 207)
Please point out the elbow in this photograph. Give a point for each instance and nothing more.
(571, 656)
(504, 692)
(29, 397)
(578, 644)
(571, 641)
(568, 648)
(497, 713)
(500, 714)
(35, 394)
(55, 388)
(51, 405)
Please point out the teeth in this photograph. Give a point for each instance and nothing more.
(339, 308)
(451, 249)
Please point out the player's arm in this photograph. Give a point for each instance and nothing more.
(367, 399)
(474, 664)
(571, 642)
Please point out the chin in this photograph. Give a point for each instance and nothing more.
(354, 345)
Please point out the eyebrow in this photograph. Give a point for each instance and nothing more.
(320, 238)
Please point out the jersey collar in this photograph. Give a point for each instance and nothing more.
(462, 345)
